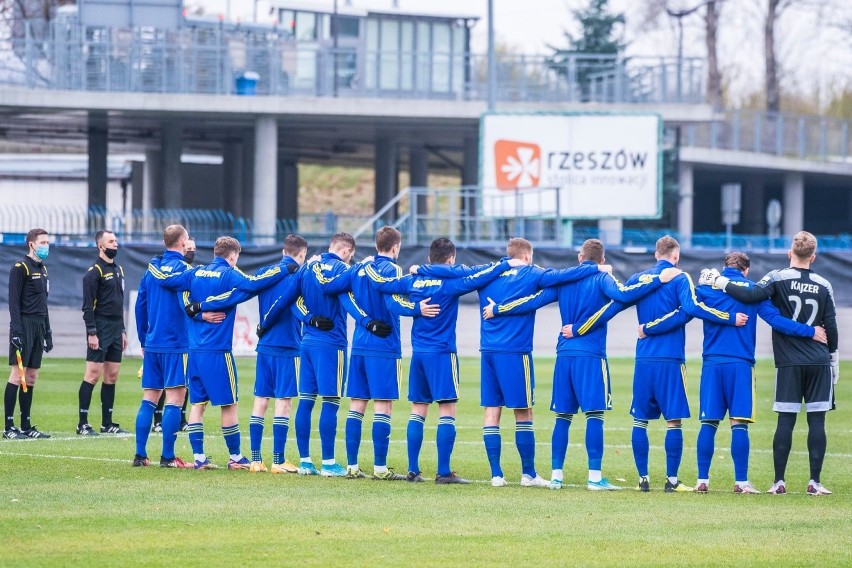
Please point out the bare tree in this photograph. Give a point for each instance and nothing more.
(774, 9)
(714, 74)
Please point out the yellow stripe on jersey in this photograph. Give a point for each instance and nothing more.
(402, 301)
(605, 375)
(300, 304)
(321, 278)
(644, 280)
(339, 372)
(374, 275)
(658, 321)
(718, 313)
(357, 307)
(528, 381)
(222, 296)
(683, 375)
(229, 363)
(503, 308)
(591, 321)
(265, 274)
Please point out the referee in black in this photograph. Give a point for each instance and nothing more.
(103, 314)
(29, 332)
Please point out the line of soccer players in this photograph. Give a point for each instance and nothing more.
(303, 351)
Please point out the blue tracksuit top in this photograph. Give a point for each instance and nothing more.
(583, 303)
(284, 334)
(320, 291)
(217, 280)
(679, 293)
(724, 343)
(514, 333)
(370, 304)
(437, 334)
(161, 323)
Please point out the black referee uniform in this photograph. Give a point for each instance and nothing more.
(103, 310)
(29, 333)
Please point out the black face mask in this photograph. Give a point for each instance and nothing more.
(189, 256)
(110, 253)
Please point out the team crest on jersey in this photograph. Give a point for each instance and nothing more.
(511, 272)
(764, 280)
(362, 272)
(645, 278)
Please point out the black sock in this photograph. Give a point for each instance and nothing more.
(107, 400)
(85, 397)
(782, 442)
(816, 442)
(25, 400)
(158, 412)
(9, 398)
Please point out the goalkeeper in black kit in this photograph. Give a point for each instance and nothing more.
(805, 370)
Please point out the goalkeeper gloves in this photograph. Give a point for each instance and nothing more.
(259, 331)
(48, 342)
(17, 343)
(379, 328)
(292, 267)
(708, 276)
(321, 323)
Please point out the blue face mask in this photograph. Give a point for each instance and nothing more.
(42, 251)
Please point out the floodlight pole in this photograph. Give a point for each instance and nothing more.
(492, 64)
(334, 48)
(679, 16)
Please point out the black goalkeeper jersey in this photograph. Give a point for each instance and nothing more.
(802, 295)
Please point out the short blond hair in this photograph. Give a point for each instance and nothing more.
(804, 245)
(224, 246)
(666, 246)
(518, 247)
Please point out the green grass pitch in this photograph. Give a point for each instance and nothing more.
(77, 501)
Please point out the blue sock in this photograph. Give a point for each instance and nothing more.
(595, 439)
(328, 426)
(143, 426)
(354, 420)
(559, 440)
(740, 447)
(381, 438)
(232, 438)
(706, 446)
(674, 450)
(525, 440)
(493, 444)
(280, 426)
(639, 441)
(196, 436)
(255, 437)
(446, 440)
(414, 439)
(303, 424)
(170, 425)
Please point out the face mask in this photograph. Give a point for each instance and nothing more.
(110, 253)
(189, 256)
(42, 251)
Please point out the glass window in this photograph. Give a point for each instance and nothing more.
(306, 26)
(347, 26)
(459, 52)
(441, 57)
(389, 59)
(372, 53)
(423, 57)
(288, 20)
(407, 55)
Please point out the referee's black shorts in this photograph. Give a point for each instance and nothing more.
(34, 330)
(811, 383)
(110, 332)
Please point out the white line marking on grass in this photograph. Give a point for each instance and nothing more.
(55, 457)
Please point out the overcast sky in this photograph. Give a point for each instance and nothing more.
(813, 52)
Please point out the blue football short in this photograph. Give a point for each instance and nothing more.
(659, 388)
(322, 371)
(163, 370)
(507, 379)
(580, 382)
(727, 387)
(212, 377)
(275, 376)
(374, 378)
(433, 377)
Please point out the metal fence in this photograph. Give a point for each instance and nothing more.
(208, 59)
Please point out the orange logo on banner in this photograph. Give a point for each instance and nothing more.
(518, 164)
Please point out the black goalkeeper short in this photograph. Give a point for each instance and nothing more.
(811, 383)
(34, 330)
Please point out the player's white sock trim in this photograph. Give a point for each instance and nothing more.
(556, 474)
(594, 475)
(672, 480)
(380, 469)
(328, 462)
(199, 457)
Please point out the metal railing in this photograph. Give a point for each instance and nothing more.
(804, 137)
(208, 60)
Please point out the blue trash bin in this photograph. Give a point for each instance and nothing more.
(246, 83)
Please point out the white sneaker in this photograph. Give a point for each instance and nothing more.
(498, 481)
(816, 489)
(778, 488)
(746, 488)
(537, 481)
